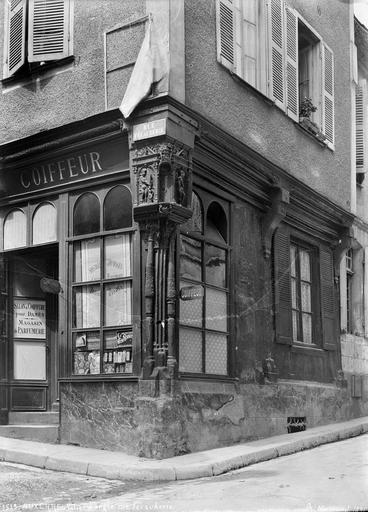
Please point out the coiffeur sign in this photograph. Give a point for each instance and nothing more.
(94, 160)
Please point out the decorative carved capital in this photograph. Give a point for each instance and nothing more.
(345, 243)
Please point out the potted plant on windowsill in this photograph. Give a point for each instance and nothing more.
(306, 110)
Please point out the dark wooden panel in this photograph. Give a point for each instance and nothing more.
(28, 399)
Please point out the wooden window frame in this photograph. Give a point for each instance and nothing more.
(206, 199)
(101, 192)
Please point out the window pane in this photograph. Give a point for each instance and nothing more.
(216, 227)
(292, 260)
(191, 304)
(307, 328)
(118, 208)
(87, 306)
(293, 294)
(190, 258)
(216, 310)
(117, 356)
(15, 229)
(117, 256)
(86, 357)
(304, 265)
(216, 353)
(87, 260)
(190, 351)
(306, 297)
(215, 266)
(195, 223)
(86, 218)
(118, 299)
(44, 224)
(295, 325)
(30, 360)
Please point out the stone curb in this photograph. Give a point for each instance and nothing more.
(178, 468)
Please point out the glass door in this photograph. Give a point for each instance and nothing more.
(33, 330)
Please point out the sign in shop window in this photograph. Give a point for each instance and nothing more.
(30, 319)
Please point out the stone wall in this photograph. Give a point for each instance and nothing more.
(354, 354)
(199, 415)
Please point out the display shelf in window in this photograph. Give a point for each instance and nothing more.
(86, 353)
(117, 355)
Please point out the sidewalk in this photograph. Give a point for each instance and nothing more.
(117, 465)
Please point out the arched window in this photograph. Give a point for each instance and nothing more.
(118, 208)
(102, 283)
(44, 224)
(15, 229)
(86, 218)
(203, 340)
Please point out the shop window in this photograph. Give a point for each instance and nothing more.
(305, 311)
(118, 208)
(203, 339)
(37, 33)
(44, 226)
(102, 284)
(86, 218)
(15, 230)
(273, 49)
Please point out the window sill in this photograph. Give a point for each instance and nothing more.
(100, 378)
(307, 126)
(303, 347)
(27, 76)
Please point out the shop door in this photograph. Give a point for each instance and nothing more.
(33, 331)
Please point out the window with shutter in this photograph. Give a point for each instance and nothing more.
(272, 48)
(304, 292)
(361, 116)
(38, 32)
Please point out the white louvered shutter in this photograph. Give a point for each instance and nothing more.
(292, 78)
(48, 30)
(15, 57)
(277, 60)
(361, 116)
(225, 33)
(328, 107)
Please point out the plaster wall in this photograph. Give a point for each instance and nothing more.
(246, 114)
(354, 354)
(74, 91)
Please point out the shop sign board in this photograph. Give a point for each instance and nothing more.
(92, 161)
(30, 319)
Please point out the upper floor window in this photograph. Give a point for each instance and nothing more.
(271, 47)
(361, 117)
(36, 32)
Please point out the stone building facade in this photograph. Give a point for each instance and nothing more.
(170, 279)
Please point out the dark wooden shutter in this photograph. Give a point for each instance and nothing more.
(328, 309)
(225, 33)
(48, 28)
(16, 36)
(283, 314)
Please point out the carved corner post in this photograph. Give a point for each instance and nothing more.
(161, 178)
(280, 198)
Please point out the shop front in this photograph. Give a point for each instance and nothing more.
(66, 268)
